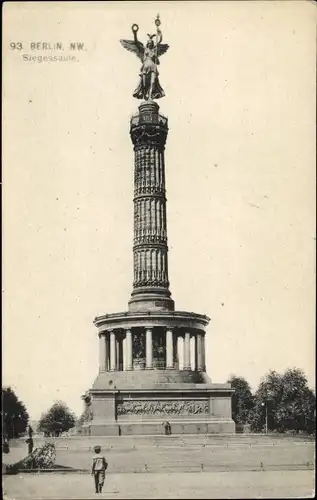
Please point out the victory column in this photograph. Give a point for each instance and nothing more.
(151, 357)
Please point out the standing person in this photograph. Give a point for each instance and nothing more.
(6, 446)
(29, 442)
(166, 427)
(99, 467)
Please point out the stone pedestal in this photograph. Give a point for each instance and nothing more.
(136, 402)
(152, 387)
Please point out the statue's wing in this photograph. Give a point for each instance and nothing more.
(161, 49)
(136, 47)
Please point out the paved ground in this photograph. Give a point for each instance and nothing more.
(287, 484)
(191, 467)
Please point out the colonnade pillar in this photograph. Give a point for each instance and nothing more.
(114, 354)
(203, 352)
(180, 350)
(117, 353)
(187, 351)
(149, 348)
(112, 351)
(169, 349)
(129, 362)
(199, 348)
(102, 353)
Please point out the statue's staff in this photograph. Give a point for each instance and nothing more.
(158, 23)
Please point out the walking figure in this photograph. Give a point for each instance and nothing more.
(99, 467)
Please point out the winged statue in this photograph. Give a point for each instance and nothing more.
(149, 86)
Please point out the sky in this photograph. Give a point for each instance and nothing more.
(240, 86)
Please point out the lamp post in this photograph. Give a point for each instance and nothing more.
(266, 419)
(4, 425)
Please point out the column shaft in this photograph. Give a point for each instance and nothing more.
(112, 351)
(169, 349)
(175, 353)
(124, 354)
(187, 351)
(193, 353)
(203, 353)
(149, 201)
(129, 361)
(107, 339)
(149, 349)
(180, 352)
(120, 353)
(196, 353)
(200, 363)
(117, 354)
(102, 354)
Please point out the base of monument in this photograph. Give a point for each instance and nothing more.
(187, 399)
(156, 428)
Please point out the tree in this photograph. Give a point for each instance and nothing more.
(286, 400)
(15, 417)
(267, 398)
(242, 400)
(297, 405)
(59, 418)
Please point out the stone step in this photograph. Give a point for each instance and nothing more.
(173, 458)
(145, 379)
(137, 442)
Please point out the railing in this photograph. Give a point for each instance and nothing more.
(217, 467)
(159, 365)
(135, 120)
(136, 314)
(141, 365)
(175, 441)
(155, 119)
(190, 467)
